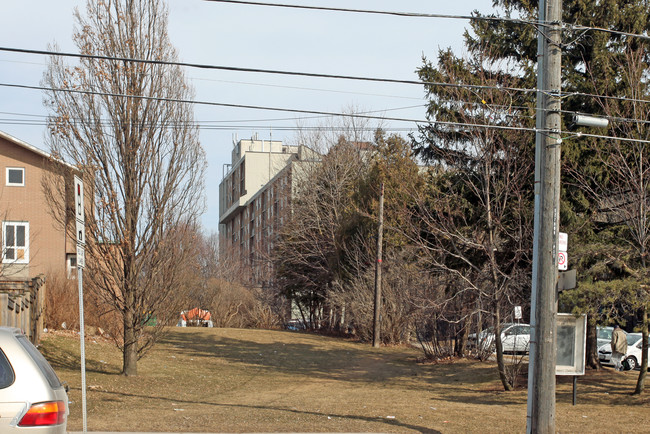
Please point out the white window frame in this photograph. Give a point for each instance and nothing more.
(25, 258)
(71, 268)
(14, 184)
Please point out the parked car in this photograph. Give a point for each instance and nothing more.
(633, 355)
(515, 338)
(604, 335)
(32, 399)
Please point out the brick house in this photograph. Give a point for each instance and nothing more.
(34, 243)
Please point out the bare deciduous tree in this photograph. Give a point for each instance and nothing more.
(309, 254)
(122, 123)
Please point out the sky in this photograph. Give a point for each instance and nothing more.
(250, 36)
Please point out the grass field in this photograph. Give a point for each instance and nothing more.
(234, 380)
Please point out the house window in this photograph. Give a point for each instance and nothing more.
(71, 265)
(15, 176)
(15, 242)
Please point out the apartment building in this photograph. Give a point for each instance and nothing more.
(254, 199)
(33, 242)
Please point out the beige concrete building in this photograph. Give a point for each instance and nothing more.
(254, 199)
(33, 242)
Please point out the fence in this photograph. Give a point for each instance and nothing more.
(22, 305)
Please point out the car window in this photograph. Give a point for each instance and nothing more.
(631, 339)
(520, 330)
(7, 376)
(605, 333)
(43, 365)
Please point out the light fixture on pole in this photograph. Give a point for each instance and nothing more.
(590, 121)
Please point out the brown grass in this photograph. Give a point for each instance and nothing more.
(235, 380)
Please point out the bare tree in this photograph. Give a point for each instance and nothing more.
(218, 284)
(122, 122)
(309, 254)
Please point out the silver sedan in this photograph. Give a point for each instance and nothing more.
(32, 399)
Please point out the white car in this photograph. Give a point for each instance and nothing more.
(32, 399)
(515, 338)
(604, 335)
(633, 355)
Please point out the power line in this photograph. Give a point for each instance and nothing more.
(320, 115)
(254, 107)
(42, 118)
(316, 89)
(569, 26)
(227, 127)
(309, 74)
(578, 27)
(376, 12)
(263, 71)
(435, 123)
(248, 83)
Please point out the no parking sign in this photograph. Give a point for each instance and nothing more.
(562, 262)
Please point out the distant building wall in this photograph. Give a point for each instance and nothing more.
(254, 198)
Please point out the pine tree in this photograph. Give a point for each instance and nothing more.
(594, 62)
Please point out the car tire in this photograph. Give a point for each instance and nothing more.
(632, 363)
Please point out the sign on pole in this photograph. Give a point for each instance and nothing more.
(562, 246)
(81, 263)
(81, 257)
(80, 220)
(562, 261)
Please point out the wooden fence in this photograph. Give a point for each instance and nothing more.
(22, 305)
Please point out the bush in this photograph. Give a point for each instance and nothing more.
(62, 307)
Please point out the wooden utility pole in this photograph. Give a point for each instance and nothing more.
(541, 371)
(380, 235)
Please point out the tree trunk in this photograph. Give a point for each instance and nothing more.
(130, 353)
(501, 366)
(592, 347)
(640, 383)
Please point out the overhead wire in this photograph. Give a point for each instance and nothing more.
(535, 23)
(601, 29)
(320, 115)
(260, 70)
(313, 75)
(248, 83)
(43, 119)
(378, 12)
(280, 109)
(334, 76)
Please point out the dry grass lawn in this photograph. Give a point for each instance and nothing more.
(233, 380)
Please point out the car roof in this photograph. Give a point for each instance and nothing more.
(10, 331)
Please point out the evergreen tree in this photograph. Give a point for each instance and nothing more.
(594, 62)
(476, 223)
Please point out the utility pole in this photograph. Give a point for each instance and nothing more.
(380, 236)
(541, 370)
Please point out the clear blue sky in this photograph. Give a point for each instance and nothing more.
(253, 37)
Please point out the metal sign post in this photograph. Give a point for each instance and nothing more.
(81, 263)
